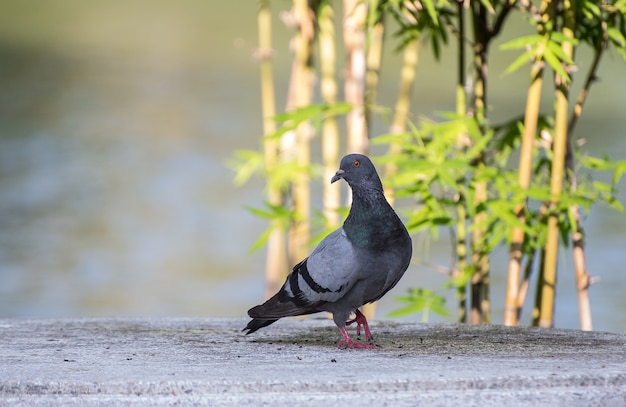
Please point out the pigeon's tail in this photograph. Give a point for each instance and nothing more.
(257, 324)
(272, 310)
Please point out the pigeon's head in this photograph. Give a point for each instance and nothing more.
(357, 170)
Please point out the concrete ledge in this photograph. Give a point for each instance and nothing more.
(295, 362)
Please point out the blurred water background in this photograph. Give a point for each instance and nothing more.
(116, 121)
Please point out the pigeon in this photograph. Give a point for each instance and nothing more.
(354, 265)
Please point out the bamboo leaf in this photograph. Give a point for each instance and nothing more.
(420, 300)
(619, 171)
(617, 205)
(280, 215)
(337, 109)
(261, 241)
(246, 163)
(281, 131)
(557, 50)
(572, 219)
(591, 10)
(504, 212)
(520, 61)
(291, 120)
(480, 145)
(300, 114)
(522, 42)
(461, 279)
(272, 212)
(431, 10)
(558, 37)
(620, 5)
(438, 307)
(555, 63)
(616, 37)
(488, 6)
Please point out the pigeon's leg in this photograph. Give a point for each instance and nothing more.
(361, 321)
(349, 343)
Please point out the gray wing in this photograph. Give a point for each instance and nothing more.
(324, 277)
(327, 274)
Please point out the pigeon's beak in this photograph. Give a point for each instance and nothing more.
(338, 175)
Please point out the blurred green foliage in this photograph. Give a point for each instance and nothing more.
(438, 161)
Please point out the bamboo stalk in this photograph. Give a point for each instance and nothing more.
(533, 101)
(544, 15)
(546, 316)
(479, 290)
(461, 260)
(548, 286)
(296, 145)
(287, 151)
(578, 237)
(461, 212)
(583, 280)
(276, 256)
(479, 281)
(523, 288)
(330, 132)
(536, 315)
(410, 58)
(301, 187)
(354, 22)
(589, 80)
(373, 50)
(374, 47)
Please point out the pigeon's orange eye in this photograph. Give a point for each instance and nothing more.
(357, 163)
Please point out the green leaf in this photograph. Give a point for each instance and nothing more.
(559, 38)
(616, 37)
(421, 300)
(317, 112)
(461, 279)
(555, 63)
(522, 42)
(488, 6)
(520, 61)
(282, 130)
(280, 217)
(261, 241)
(619, 171)
(480, 145)
(621, 6)
(431, 10)
(590, 9)
(572, 219)
(393, 138)
(300, 114)
(557, 50)
(272, 212)
(246, 163)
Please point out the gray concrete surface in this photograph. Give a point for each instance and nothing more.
(294, 362)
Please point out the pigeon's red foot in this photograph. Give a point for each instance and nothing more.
(349, 343)
(361, 321)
